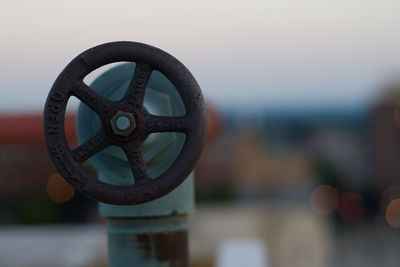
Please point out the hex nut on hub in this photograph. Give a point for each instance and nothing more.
(123, 123)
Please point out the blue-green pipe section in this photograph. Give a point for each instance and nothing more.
(154, 242)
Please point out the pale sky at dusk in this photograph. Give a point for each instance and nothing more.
(244, 54)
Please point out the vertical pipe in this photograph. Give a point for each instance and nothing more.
(153, 234)
(148, 242)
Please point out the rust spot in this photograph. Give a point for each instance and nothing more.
(168, 247)
(145, 242)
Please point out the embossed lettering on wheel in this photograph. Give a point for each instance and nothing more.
(130, 113)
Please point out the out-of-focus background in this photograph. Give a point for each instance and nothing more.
(302, 165)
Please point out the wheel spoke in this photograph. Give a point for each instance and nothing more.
(167, 124)
(137, 86)
(92, 146)
(91, 98)
(134, 154)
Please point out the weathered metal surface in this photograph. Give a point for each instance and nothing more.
(154, 242)
(180, 201)
(70, 83)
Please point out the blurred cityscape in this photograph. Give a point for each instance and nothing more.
(317, 187)
(302, 162)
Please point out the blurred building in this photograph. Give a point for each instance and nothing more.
(32, 191)
(385, 138)
(240, 165)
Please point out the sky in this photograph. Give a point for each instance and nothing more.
(244, 54)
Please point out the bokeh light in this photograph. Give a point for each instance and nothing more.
(350, 206)
(393, 213)
(324, 199)
(58, 189)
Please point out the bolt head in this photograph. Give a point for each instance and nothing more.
(123, 123)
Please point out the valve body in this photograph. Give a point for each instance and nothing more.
(153, 233)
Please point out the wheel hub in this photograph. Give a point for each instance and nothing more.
(123, 123)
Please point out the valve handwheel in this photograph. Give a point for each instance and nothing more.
(125, 123)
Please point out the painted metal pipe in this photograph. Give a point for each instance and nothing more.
(148, 242)
(152, 234)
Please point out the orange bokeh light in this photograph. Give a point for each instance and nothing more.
(324, 199)
(350, 206)
(58, 189)
(393, 213)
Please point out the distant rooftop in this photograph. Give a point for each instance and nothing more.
(27, 129)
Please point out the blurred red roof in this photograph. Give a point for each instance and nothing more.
(27, 129)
